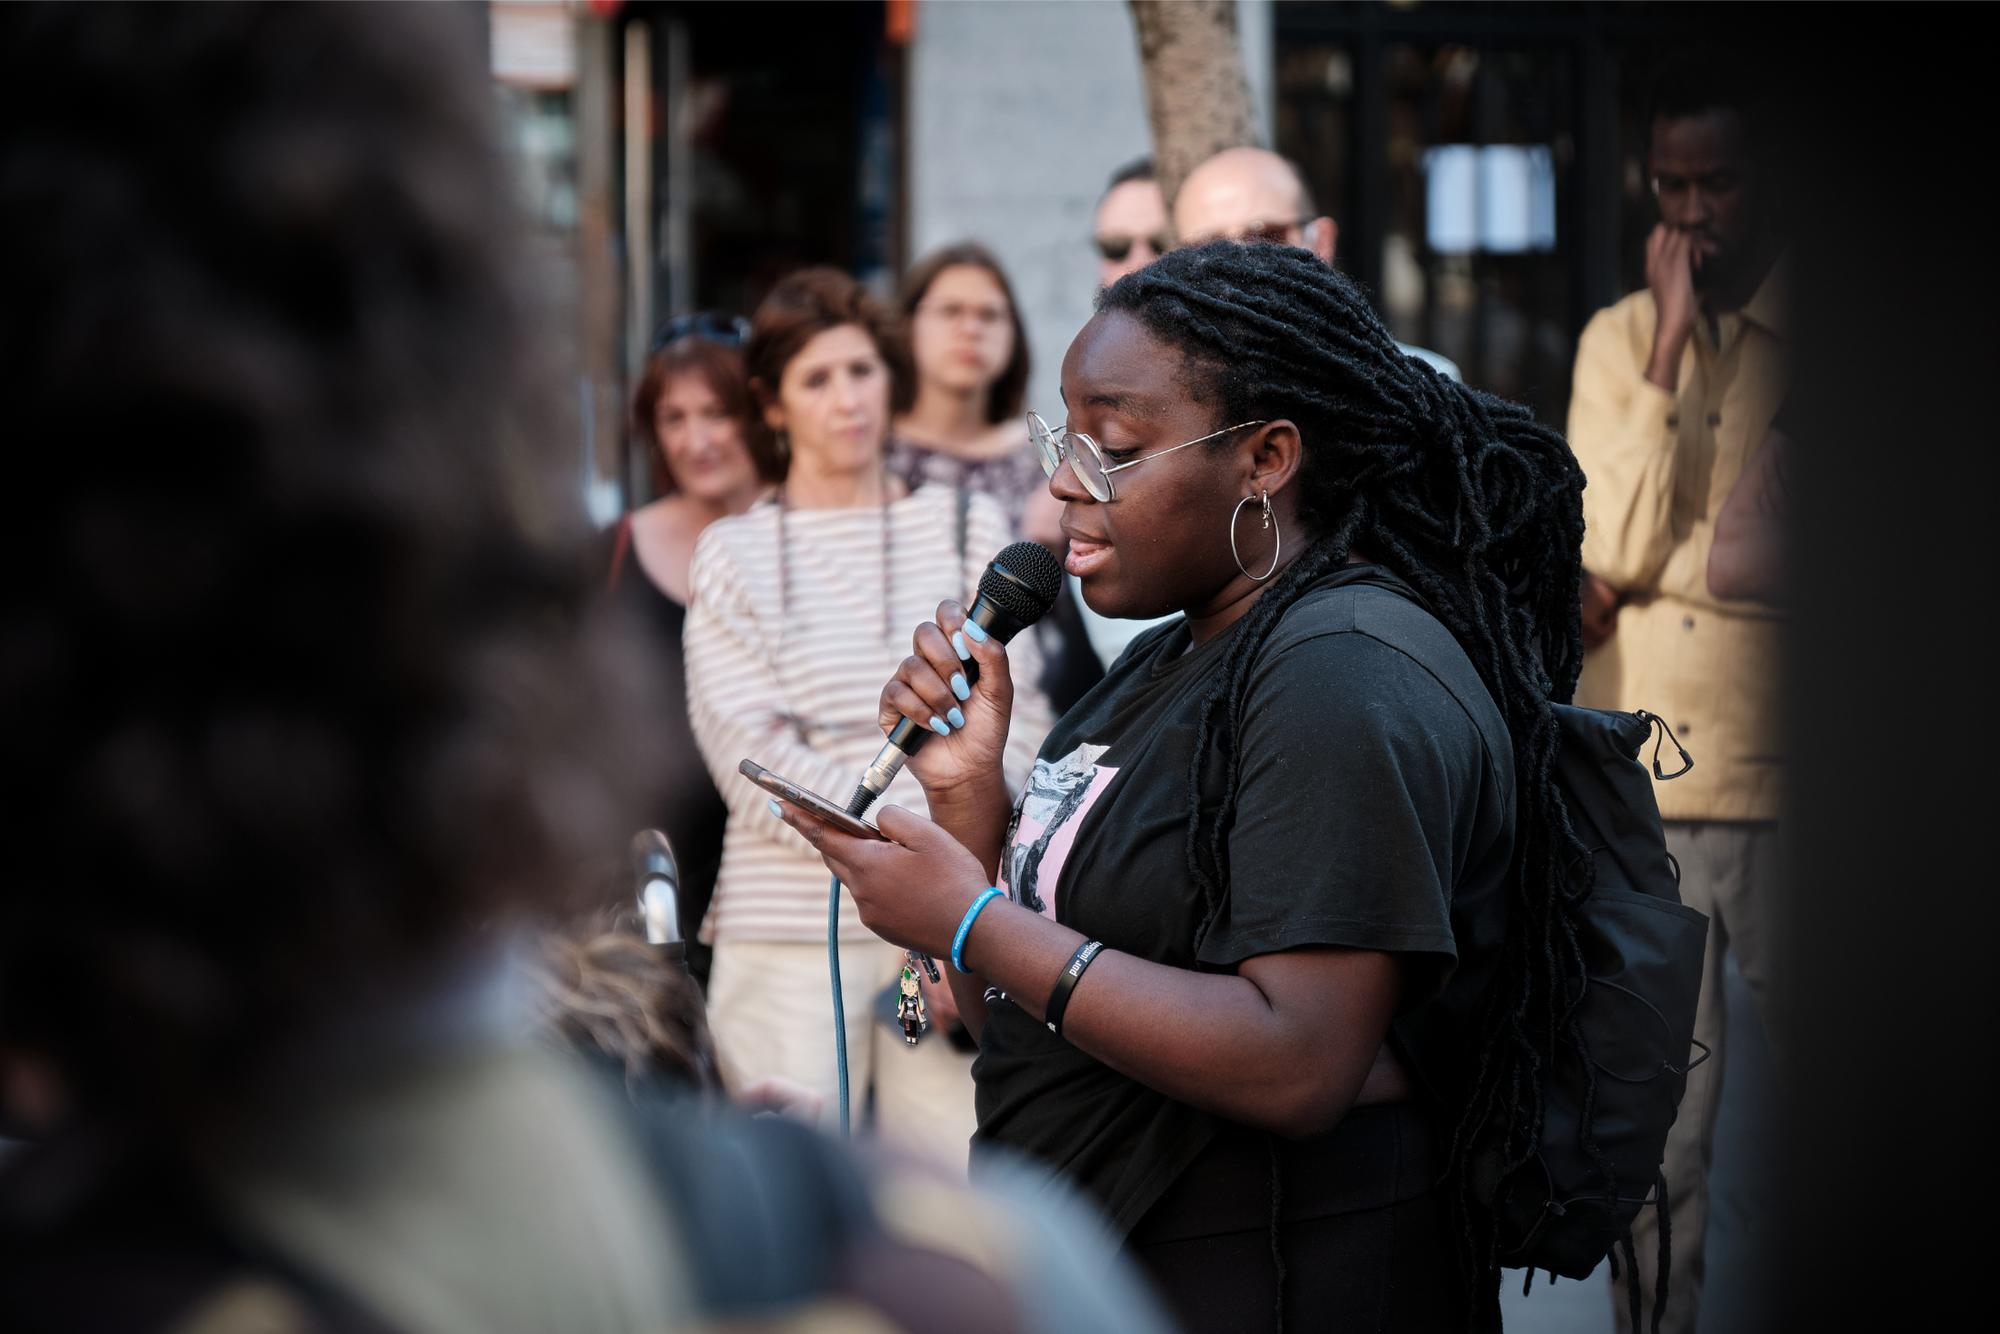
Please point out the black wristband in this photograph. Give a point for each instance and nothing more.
(1059, 998)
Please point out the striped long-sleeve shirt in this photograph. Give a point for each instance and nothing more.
(798, 691)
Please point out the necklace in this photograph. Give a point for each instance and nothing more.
(784, 563)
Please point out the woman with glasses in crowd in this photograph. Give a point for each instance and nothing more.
(692, 405)
(963, 430)
(800, 608)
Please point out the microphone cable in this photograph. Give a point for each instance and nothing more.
(857, 807)
(839, 1009)
(1016, 590)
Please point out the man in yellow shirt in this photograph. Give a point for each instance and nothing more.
(1675, 389)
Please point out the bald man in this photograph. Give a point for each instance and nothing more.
(1253, 195)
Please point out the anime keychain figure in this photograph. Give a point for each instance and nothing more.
(910, 1012)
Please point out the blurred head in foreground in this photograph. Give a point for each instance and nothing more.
(305, 701)
(610, 995)
(302, 686)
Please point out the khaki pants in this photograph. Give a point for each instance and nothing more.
(1729, 870)
(770, 1007)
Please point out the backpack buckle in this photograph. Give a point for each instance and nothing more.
(1665, 733)
(1706, 1052)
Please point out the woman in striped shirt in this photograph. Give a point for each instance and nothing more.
(800, 609)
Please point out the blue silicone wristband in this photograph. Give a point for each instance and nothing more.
(965, 927)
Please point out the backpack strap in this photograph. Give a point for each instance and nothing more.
(1666, 1252)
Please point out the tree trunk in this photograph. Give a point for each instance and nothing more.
(1196, 93)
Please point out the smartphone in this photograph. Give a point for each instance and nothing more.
(811, 802)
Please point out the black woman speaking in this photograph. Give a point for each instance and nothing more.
(1272, 938)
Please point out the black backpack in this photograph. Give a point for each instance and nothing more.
(1643, 953)
(1571, 1205)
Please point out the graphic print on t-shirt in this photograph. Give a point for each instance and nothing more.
(1039, 837)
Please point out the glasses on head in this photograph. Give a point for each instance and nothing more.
(954, 312)
(728, 330)
(1283, 232)
(1116, 248)
(1086, 458)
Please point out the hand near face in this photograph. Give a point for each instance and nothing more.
(911, 887)
(1671, 259)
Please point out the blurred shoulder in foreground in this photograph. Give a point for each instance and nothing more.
(312, 703)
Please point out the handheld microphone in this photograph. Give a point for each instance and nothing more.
(1017, 589)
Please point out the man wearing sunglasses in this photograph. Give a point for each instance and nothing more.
(1254, 196)
(1130, 231)
(1130, 227)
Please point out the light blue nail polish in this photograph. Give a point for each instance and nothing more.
(938, 726)
(978, 635)
(776, 809)
(958, 646)
(959, 687)
(957, 718)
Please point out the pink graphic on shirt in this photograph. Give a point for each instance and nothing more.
(1046, 818)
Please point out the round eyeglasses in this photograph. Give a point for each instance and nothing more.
(1086, 460)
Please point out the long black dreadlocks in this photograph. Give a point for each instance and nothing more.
(1479, 508)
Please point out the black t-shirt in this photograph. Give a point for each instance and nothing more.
(1375, 811)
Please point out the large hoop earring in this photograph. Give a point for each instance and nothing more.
(1271, 522)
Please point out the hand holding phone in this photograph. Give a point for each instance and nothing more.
(812, 803)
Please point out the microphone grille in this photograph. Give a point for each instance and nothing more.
(1023, 581)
